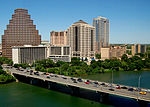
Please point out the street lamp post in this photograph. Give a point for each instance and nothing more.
(138, 87)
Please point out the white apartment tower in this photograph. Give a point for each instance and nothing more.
(81, 39)
(102, 32)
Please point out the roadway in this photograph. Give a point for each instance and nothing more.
(92, 86)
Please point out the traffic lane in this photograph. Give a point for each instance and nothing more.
(89, 85)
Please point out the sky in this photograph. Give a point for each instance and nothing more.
(129, 19)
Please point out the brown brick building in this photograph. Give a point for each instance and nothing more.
(20, 31)
(58, 38)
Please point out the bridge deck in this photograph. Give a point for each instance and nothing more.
(94, 87)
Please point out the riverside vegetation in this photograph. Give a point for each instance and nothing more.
(77, 67)
(5, 77)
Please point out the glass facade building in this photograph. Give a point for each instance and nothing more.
(102, 32)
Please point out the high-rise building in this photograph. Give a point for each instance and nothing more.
(138, 48)
(102, 33)
(20, 31)
(58, 38)
(81, 39)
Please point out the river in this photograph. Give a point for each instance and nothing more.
(26, 95)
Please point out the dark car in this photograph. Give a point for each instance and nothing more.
(52, 75)
(31, 70)
(89, 81)
(79, 79)
(64, 77)
(102, 83)
(124, 87)
(111, 89)
(72, 78)
(75, 81)
(44, 73)
(95, 82)
(48, 77)
(56, 76)
(36, 73)
(130, 89)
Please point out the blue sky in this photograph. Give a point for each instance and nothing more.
(129, 19)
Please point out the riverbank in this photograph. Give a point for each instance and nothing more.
(5, 77)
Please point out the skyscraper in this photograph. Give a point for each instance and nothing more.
(20, 31)
(102, 32)
(81, 38)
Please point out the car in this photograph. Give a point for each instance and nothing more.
(47, 73)
(64, 77)
(36, 73)
(74, 81)
(87, 83)
(31, 70)
(79, 79)
(111, 89)
(71, 78)
(95, 82)
(118, 88)
(47, 76)
(130, 89)
(109, 85)
(102, 83)
(148, 90)
(52, 75)
(124, 87)
(44, 73)
(56, 76)
(143, 93)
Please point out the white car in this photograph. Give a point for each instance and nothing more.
(148, 90)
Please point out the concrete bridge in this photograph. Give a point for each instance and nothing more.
(96, 92)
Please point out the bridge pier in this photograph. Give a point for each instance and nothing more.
(75, 91)
(103, 97)
(49, 86)
(31, 81)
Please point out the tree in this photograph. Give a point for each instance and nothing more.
(98, 56)
(124, 58)
(75, 61)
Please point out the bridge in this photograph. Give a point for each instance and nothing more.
(102, 90)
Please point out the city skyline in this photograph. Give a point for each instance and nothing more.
(129, 20)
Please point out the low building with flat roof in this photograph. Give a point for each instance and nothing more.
(28, 53)
(60, 53)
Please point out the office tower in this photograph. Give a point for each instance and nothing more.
(20, 31)
(138, 48)
(58, 38)
(81, 38)
(102, 32)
